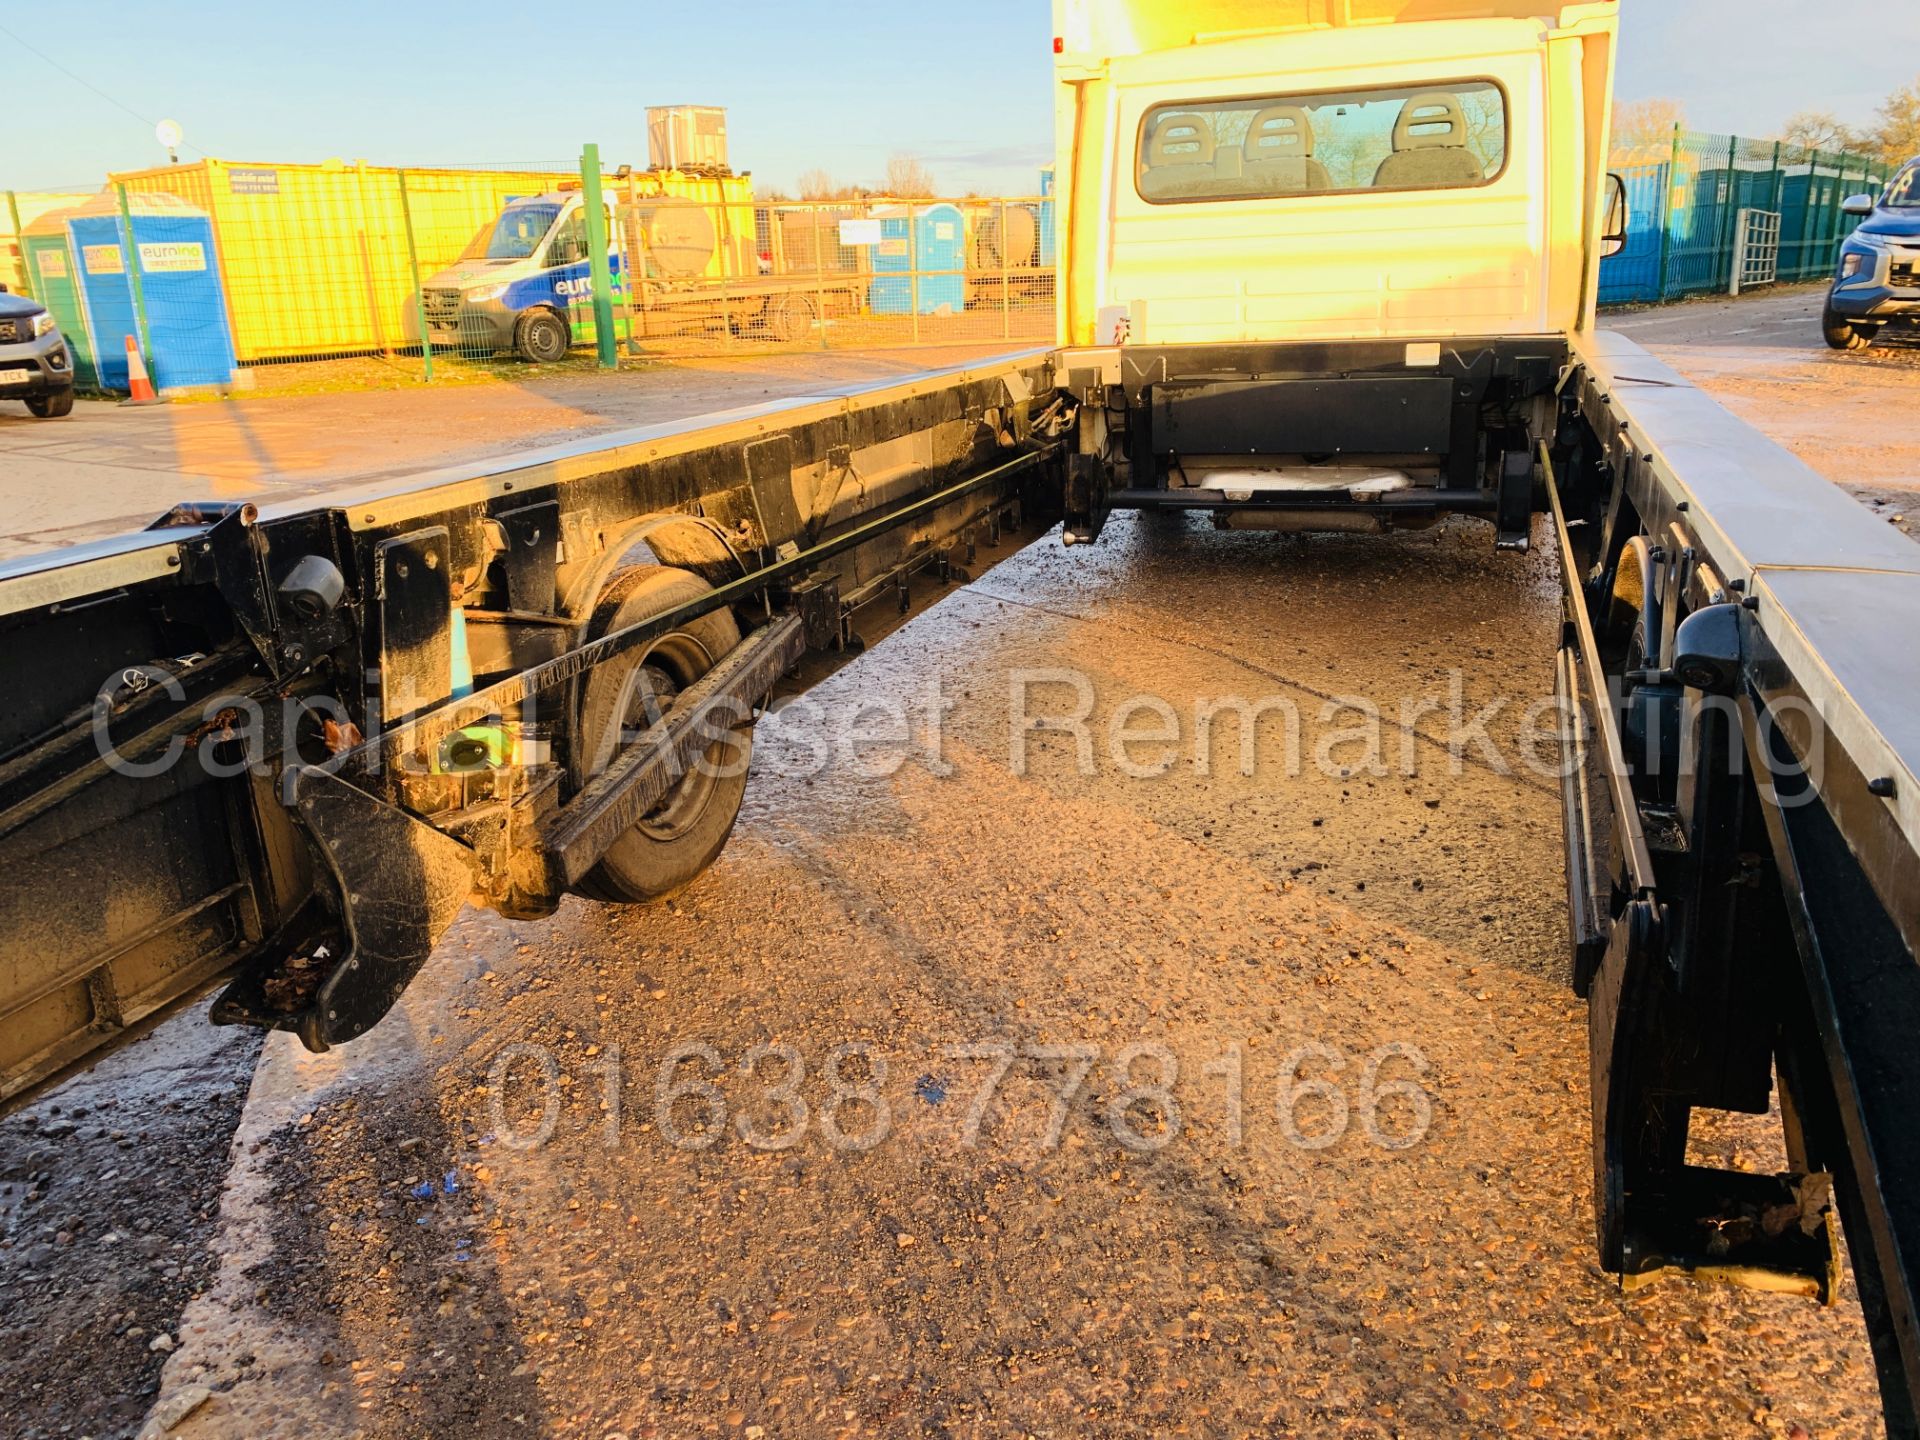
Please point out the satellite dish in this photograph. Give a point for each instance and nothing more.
(168, 133)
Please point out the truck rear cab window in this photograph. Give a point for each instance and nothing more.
(1429, 137)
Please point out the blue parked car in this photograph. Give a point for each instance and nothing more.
(1878, 282)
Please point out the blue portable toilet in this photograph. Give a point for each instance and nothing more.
(192, 344)
(927, 238)
(1047, 241)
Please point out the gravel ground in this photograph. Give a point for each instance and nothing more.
(619, 1284)
(108, 1190)
(1406, 1255)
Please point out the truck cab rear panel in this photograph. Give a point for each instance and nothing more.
(1304, 171)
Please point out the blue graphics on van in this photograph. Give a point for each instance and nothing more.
(564, 286)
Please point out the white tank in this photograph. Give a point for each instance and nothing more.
(687, 137)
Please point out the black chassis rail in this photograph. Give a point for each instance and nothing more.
(1744, 884)
(218, 758)
(1470, 406)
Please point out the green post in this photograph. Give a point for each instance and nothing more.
(133, 278)
(603, 336)
(1806, 211)
(20, 247)
(1666, 210)
(413, 268)
(1774, 192)
(1726, 243)
(1835, 220)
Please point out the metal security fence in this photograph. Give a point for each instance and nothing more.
(867, 272)
(1686, 202)
(226, 275)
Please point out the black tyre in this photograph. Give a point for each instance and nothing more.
(1843, 334)
(52, 407)
(542, 337)
(682, 835)
(790, 317)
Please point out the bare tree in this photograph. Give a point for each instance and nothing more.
(1898, 133)
(1647, 123)
(1486, 116)
(816, 185)
(1819, 130)
(907, 178)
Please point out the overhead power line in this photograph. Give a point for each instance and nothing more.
(86, 84)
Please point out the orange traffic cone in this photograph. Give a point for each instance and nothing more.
(137, 381)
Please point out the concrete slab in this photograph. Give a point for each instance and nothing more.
(108, 468)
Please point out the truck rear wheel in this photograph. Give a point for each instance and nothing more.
(542, 337)
(1842, 334)
(669, 846)
(790, 317)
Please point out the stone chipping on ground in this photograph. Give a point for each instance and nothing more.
(1389, 1234)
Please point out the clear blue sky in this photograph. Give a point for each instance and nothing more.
(838, 85)
(1742, 66)
(835, 85)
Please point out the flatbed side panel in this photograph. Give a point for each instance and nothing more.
(1757, 504)
(129, 884)
(1834, 589)
(1770, 713)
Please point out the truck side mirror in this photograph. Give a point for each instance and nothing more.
(1857, 205)
(1613, 228)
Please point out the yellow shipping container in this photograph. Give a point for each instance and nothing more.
(314, 257)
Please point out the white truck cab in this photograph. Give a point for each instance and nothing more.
(1329, 168)
(1323, 257)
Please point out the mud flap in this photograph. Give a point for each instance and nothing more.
(1088, 481)
(401, 886)
(1653, 1212)
(1513, 515)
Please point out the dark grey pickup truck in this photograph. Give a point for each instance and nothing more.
(35, 363)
